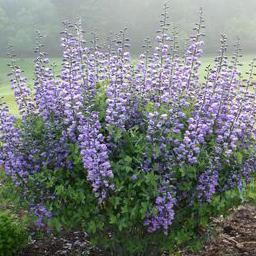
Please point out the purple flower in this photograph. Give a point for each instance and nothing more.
(95, 156)
(207, 185)
(164, 217)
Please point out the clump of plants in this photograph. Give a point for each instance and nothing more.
(13, 235)
(140, 155)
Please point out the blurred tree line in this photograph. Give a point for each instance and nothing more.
(19, 19)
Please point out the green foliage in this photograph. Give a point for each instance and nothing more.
(122, 215)
(13, 235)
(19, 19)
(117, 225)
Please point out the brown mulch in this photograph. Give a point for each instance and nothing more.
(235, 235)
(69, 244)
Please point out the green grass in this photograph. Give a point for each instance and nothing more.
(245, 61)
(27, 66)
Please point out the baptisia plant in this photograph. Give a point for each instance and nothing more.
(139, 154)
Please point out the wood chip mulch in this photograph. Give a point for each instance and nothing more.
(235, 236)
(69, 244)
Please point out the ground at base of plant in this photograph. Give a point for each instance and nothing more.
(235, 235)
(68, 244)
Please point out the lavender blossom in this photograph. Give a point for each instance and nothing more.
(95, 156)
(207, 185)
(164, 205)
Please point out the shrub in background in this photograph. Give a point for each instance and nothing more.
(140, 155)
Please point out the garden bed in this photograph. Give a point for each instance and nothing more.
(236, 235)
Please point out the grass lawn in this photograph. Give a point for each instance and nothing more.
(27, 66)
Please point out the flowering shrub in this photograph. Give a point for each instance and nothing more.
(138, 155)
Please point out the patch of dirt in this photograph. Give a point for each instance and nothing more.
(236, 235)
(70, 244)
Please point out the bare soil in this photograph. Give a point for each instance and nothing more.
(236, 235)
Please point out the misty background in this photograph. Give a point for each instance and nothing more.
(19, 19)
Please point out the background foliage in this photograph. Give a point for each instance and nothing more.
(20, 19)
